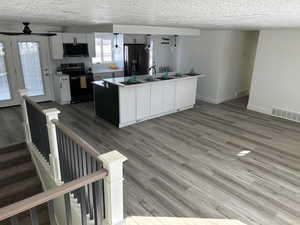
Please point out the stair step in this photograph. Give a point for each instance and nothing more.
(19, 190)
(11, 159)
(13, 147)
(17, 173)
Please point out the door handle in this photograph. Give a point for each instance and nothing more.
(46, 72)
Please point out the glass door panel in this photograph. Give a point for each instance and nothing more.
(31, 67)
(5, 93)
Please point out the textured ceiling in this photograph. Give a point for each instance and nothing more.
(246, 14)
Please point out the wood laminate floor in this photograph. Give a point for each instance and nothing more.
(213, 161)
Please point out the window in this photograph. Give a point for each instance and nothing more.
(104, 50)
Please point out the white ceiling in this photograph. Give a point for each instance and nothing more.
(246, 14)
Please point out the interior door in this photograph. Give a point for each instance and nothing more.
(8, 78)
(31, 54)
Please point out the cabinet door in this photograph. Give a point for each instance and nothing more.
(65, 89)
(143, 102)
(74, 37)
(127, 97)
(56, 46)
(156, 99)
(185, 92)
(169, 96)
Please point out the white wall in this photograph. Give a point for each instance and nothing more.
(276, 75)
(226, 57)
(238, 60)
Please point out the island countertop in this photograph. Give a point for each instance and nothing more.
(119, 81)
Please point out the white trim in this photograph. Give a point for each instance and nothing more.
(207, 99)
(259, 109)
(155, 30)
(113, 187)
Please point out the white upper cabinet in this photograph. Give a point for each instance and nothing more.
(74, 38)
(56, 43)
(56, 46)
(185, 93)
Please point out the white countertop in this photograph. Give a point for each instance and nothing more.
(118, 80)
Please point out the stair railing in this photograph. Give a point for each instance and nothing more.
(70, 158)
(31, 204)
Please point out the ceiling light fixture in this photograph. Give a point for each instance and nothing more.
(116, 39)
(175, 40)
(148, 40)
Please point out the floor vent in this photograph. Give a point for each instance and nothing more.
(286, 114)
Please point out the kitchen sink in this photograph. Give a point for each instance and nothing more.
(165, 78)
(192, 74)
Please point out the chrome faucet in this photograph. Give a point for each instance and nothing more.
(153, 67)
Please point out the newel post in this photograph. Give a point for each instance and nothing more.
(52, 114)
(113, 187)
(22, 93)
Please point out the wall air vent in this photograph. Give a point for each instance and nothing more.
(286, 114)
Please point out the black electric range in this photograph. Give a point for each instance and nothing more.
(80, 82)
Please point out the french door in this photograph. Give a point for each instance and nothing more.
(24, 63)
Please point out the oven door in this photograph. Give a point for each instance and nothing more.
(81, 88)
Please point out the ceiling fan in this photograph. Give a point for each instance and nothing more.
(27, 31)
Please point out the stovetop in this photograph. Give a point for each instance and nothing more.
(73, 69)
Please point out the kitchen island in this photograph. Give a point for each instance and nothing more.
(124, 104)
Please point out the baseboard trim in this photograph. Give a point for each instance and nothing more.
(207, 99)
(228, 98)
(259, 109)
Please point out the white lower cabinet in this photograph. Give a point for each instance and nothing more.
(156, 106)
(62, 92)
(142, 102)
(168, 96)
(127, 104)
(185, 93)
(143, 96)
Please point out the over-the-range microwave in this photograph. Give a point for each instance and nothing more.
(76, 50)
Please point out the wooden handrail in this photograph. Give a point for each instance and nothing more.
(36, 200)
(31, 102)
(77, 139)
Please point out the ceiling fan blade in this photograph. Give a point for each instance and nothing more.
(44, 34)
(11, 33)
